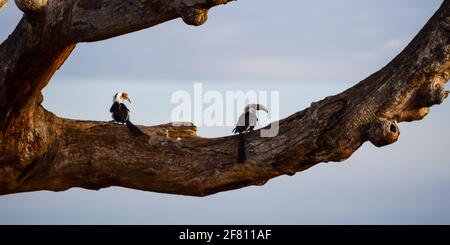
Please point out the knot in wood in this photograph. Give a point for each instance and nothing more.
(432, 93)
(192, 15)
(383, 132)
(31, 6)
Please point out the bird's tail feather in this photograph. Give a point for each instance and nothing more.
(241, 157)
(135, 130)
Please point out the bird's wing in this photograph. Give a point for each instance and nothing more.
(252, 119)
(242, 122)
(115, 106)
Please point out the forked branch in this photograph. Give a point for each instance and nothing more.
(40, 151)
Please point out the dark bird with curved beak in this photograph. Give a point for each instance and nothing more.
(246, 123)
(121, 114)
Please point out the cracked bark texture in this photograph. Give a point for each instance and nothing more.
(40, 151)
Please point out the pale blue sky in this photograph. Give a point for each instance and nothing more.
(304, 49)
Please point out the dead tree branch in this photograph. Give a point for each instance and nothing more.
(40, 151)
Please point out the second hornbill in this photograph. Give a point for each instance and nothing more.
(246, 123)
(121, 114)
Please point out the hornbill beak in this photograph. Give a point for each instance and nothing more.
(128, 99)
(262, 108)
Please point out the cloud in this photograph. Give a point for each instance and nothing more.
(345, 68)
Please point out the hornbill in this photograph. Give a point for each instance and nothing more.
(121, 114)
(246, 123)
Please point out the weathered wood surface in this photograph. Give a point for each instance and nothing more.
(40, 151)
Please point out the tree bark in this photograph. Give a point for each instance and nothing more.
(2, 3)
(40, 151)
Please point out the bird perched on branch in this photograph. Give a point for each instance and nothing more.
(121, 114)
(246, 123)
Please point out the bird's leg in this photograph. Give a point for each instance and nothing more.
(250, 129)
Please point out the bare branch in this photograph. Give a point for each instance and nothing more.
(40, 151)
(90, 22)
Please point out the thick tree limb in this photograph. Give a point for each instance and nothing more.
(43, 152)
(50, 29)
